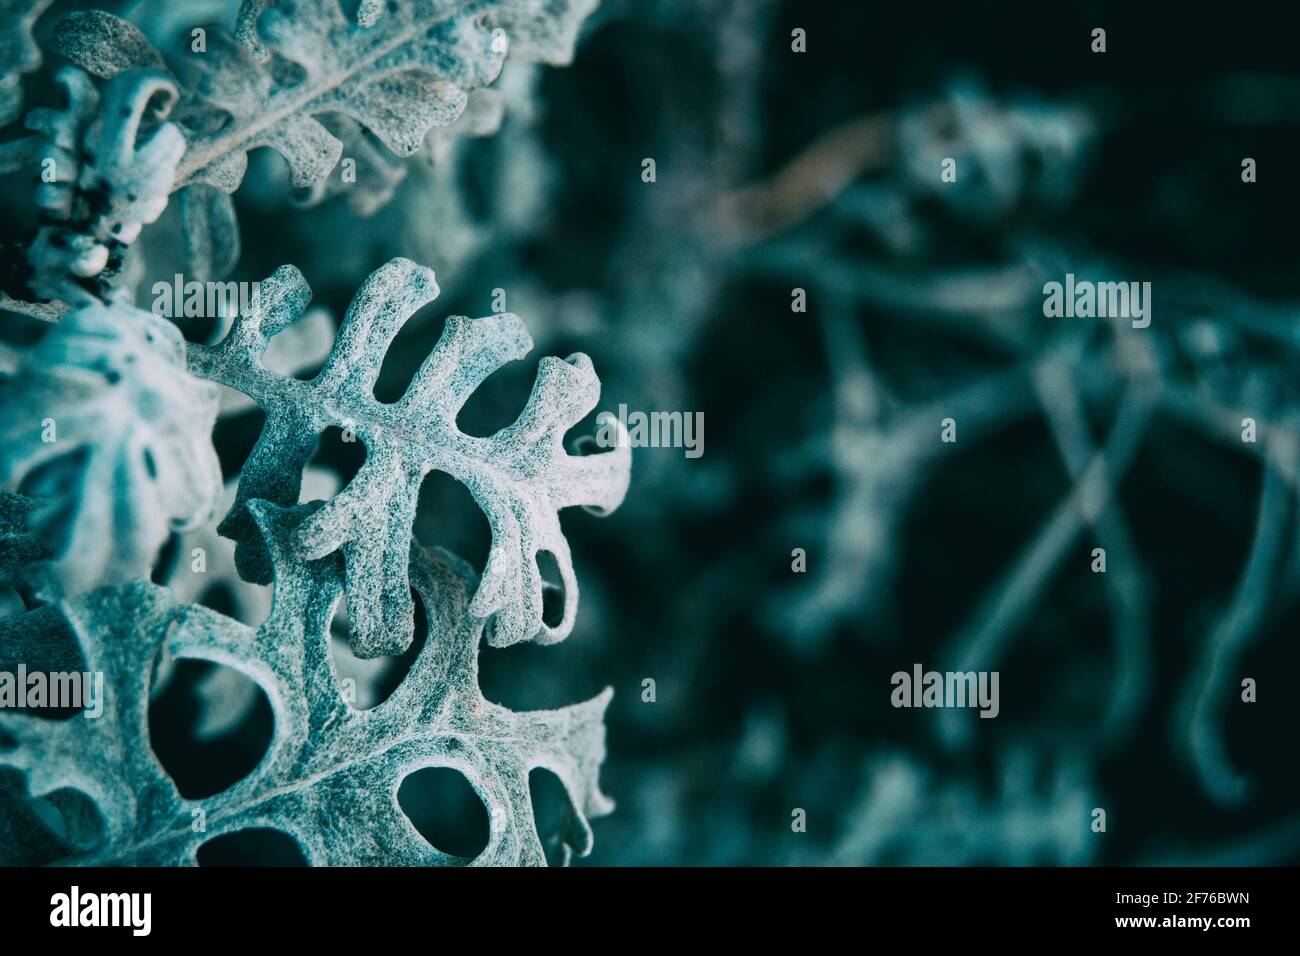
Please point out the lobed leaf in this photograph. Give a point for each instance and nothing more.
(395, 70)
(521, 477)
(106, 428)
(398, 70)
(331, 775)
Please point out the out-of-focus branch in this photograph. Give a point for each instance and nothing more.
(808, 182)
(1202, 711)
(1006, 605)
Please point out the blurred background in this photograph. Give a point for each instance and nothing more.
(778, 170)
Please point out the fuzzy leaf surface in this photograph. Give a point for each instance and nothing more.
(398, 70)
(106, 428)
(521, 477)
(331, 775)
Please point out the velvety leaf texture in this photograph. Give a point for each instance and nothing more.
(103, 44)
(113, 564)
(19, 547)
(331, 775)
(521, 477)
(398, 70)
(111, 435)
